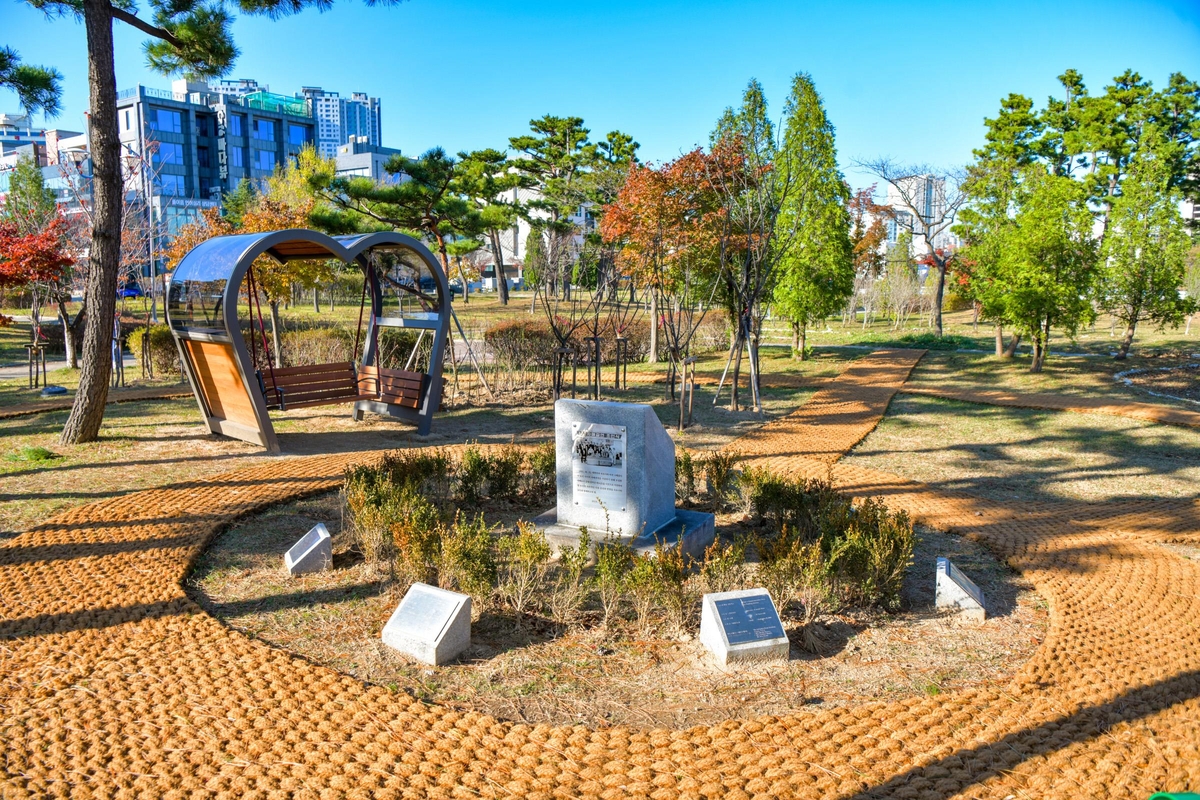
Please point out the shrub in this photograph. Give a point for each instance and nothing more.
(685, 476)
(164, 356)
(724, 566)
(614, 559)
(674, 587)
(429, 471)
(570, 589)
(712, 334)
(504, 473)
(417, 535)
(868, 564)
(317, 344)
(524, 562)
(466, 562)
(641, 584)
(542, 477)
(472, 476)
(720, 476)
(396, 346)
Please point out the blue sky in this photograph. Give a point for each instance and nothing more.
(909, 80)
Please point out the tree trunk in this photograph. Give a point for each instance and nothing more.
(1041, 344)
(999, 340)
(1127, 341)
(274, 306)
(462, 276)
(1013, 343)
(653, 357)
(936, 313)
(498, 260)
(316, 300)
(803, 341)
(87, 412)
(796, 340)
(64, 317)
(976, 308)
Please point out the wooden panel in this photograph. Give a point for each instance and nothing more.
(395, 386)
(220, 383)
(312, 369)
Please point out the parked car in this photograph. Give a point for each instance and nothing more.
(131, 289)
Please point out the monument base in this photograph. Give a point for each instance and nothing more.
(694, 531)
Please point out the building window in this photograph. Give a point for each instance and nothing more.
(204, 125)
(202, 158)
(171, 185)
(298, 134)
(264, 129)
(236, 158)
(127, 125)
(165, 120)
(237, 124)
(264, 159)
(205, 187)
(168, 153)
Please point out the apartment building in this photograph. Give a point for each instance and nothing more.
(342, 120)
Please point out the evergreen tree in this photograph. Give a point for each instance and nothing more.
(488, 180)
(816, 268)
(37, 88)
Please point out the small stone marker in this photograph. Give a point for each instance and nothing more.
(313, 553)
(742, 626)
(615, 469)
(955, 591)
(432, 625)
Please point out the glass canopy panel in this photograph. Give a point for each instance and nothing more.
(408, 286)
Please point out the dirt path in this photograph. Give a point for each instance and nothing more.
(1150, 412)
(112, 681)
(114, 396)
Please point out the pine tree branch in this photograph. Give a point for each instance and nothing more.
(145, 27)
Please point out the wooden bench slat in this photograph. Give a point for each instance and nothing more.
(295, 382)
(311, 369)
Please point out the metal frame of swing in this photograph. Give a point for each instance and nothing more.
(209, 355)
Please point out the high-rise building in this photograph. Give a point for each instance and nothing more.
(341, 120)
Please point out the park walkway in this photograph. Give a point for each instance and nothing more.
(1148, 412)
(113, 682)
(114, 396)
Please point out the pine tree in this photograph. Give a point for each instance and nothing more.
(816, 269)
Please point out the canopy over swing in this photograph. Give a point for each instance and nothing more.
(235, 389)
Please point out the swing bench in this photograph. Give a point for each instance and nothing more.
(235, 393)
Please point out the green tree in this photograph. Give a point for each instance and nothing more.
(29, 204)
(427, 202)
(535, 259)
(37, 88)
(817, 264)
(1145, 252)
(490, 183)
(1048, 259)
(190, 37)
(235, 204)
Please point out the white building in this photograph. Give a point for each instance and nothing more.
(341, 120)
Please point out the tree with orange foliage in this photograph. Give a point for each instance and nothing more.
(665, 222)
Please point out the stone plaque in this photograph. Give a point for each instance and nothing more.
(430, 624)
(598, 476)
(742, 626)
(954, 591)
(748, 619)
(313, 553)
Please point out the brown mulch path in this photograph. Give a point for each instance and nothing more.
(114, 396)
(1149, 412)
(112, 682)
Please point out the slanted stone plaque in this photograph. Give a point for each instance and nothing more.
(313, 553)
(431, 625)
(956, 592)
(616, 477)
(598, 477)
(742, 626)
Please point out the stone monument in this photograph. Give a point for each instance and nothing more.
(742, 626)
(616, 477)
(432, 625)
(313, 553)
(956, 592)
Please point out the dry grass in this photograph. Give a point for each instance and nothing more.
(1024, 454)
(540, 673)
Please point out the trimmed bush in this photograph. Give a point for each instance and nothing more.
(164, 356)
